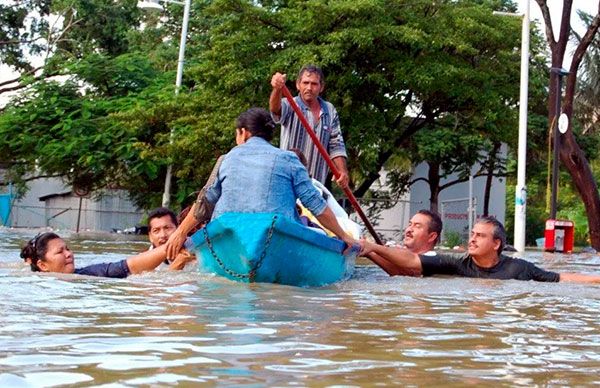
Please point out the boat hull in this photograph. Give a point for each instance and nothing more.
(269, 248)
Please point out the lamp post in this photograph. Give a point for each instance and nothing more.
(521, 188)
(559, 72)
(155, 5)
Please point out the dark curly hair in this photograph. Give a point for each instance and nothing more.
(36, 248)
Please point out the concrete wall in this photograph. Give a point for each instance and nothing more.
(60, 210)
(29, 211)
(111, 211)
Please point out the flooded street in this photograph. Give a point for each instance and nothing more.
(164, 328)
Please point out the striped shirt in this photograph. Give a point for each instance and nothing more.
(293, 135)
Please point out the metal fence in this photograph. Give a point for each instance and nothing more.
(74, 218)
(458, 216)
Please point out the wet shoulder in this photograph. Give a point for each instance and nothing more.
(447, 255)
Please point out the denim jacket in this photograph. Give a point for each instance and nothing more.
(256, 177)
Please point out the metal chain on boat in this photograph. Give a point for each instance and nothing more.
(259, 262)
(250, 275)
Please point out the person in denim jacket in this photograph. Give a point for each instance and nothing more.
(257, 177)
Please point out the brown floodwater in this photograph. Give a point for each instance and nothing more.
(165, 329)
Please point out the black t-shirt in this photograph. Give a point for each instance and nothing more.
(462, 264)
(119, 269)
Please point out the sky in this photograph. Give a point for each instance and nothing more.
(555, 6)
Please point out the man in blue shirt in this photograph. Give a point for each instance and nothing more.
(320, 114)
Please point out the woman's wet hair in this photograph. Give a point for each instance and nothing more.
(36, 248)
(258, 122)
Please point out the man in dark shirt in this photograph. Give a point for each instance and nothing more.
(482, 260)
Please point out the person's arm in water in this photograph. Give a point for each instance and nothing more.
(148, 260)
(404, 261)
(385, 265)
(578, 277)
(277, 82)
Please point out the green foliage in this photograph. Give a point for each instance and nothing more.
(118, 121)
(101, 26)
(20, 31)
(452, 239)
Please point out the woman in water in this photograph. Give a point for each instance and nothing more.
(48, 252)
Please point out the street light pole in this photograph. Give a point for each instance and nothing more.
(154, 4)
(521, 188)
(559, 73)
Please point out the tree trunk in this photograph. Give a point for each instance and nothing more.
(490, 178)
(571, 154)
(434, 186)
(578, 166)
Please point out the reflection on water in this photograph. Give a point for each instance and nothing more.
(165, 328)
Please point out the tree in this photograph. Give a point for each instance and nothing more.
(571, 154)
(19, 37)
(587, 95)
(447, 151)
(62, 129)
(60, 32)
(392, 70)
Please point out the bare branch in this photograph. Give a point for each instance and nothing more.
(548, 23)
(12, 88)
(584, 42)
(43, 176)
(18, 79)
(565, 29)
(578, 56)
(17, 41)
(417, 180)
(461, 180)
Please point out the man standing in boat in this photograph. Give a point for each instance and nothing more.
(420, 236)
(483, 259)
(256, 177)
(321, 115)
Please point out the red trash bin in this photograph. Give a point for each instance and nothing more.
(559, 236)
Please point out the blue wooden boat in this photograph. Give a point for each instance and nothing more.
(269, 248)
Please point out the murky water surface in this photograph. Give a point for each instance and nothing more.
(165, 329)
